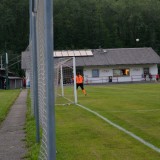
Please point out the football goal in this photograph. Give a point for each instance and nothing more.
(65, 73)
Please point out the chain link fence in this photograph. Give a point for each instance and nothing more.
(41, 75)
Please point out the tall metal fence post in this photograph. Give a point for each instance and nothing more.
(35, 74)
(30, 20)
(49, 62)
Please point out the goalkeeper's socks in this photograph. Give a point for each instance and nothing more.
(84, 92)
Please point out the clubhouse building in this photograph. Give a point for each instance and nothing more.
(110, 65)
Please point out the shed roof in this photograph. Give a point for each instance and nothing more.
(120, 56)
(108, 57)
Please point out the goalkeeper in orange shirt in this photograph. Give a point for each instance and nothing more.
(79, 82)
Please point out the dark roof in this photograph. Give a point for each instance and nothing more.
(120, 56)
(108, 57)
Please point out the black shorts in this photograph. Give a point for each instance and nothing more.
(81, 85)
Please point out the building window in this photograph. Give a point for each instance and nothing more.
(95, 73)
(121, 72)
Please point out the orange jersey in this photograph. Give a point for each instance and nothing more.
(79, 79)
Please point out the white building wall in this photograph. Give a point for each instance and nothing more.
(136, 74)
(104, 74)
(153, 69)
(27, 74)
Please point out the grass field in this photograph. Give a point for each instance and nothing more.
(7, 98)
(81, 134)
(30, 138)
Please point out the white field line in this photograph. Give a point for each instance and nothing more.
(138, 110)
(68, 100)
(119, 127)
(122, 129)
(64, 104)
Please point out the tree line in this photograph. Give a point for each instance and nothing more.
(80, 24)
(106, 23)
(14, 32)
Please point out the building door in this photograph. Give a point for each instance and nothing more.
(146, 71)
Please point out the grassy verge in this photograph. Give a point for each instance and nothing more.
(30, 128)
(7, 98)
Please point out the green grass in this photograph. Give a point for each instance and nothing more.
(82, 135)
(135, 107)
(30, 129)
(7, 98)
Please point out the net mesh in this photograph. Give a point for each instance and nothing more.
(41, 79)
(64, 82)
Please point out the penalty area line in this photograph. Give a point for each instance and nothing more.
(122, 129)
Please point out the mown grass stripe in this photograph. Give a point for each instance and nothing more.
(122, 129)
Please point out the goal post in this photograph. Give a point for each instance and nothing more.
(74, 73)
(62, 80)
(66, 92)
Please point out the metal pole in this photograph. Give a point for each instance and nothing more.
(74, 73)
(1, 62)
(35, 75)
(30, 19)
(62, 80)
(49, 62)
(15, 85)
(7, 71)
(21, 84)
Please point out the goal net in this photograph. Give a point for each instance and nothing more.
(65, 85)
